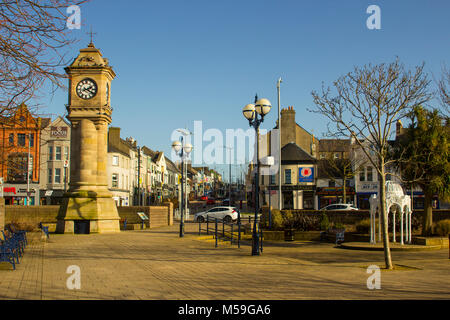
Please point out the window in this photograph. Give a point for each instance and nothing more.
(115, 180)
(58, 154)
(336, 155)
(115, 160)
(17, 167)
(332, 183)
(50, 153)
(50, 175)
(362, 175)
(272, 179)
(66, 153)
(32, 140)
(322, 156)
(369, 174)
(21, 139)
(58, 175)
(287, 176)
(11, 139)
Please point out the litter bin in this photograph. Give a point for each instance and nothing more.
(289, 234)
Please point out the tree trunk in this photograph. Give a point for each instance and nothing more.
(427, 221)
(344, 192)
(384, 218)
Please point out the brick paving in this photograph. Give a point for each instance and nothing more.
(157, 264)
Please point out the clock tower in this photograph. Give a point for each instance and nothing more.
(88, 206)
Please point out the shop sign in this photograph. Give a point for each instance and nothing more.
(58, 132)
(9, 190)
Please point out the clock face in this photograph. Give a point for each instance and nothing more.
(86, 89)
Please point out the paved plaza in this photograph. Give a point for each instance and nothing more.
(157, 264)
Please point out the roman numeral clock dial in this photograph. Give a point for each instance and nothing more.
(86, 89)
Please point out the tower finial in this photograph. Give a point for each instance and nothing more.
(91, 44)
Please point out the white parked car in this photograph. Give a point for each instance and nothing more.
(339, 207)
(226, 214)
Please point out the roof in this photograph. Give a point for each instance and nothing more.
(334, 145)
(171, 166)
(291, 153)
(113, 149)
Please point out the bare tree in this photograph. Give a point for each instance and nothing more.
(444, 91)
(366, 104)
(33, 36)
(340, 170)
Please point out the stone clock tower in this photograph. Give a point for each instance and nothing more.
(88, 206)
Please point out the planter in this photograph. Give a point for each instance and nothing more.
(289, 234)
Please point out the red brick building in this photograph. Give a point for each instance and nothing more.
(19, 151)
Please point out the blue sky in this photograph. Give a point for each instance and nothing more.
(180, 61)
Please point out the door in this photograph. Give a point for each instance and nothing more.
(288, 200)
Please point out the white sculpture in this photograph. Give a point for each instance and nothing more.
(402, 205)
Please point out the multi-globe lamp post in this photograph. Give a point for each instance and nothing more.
(251, 111)
(182, 150)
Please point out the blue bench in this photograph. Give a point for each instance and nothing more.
(7, 255)
(44, 230)
(11, 248)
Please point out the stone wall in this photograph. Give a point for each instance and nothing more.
(29, 217)
(353, 217)
(159, 215)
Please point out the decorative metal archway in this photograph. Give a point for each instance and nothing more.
(396, 198)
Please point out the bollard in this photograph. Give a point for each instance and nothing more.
(223, 228)
(207, 225)
(231, 241)
(261, 238)
(216, 232)
(239, 234)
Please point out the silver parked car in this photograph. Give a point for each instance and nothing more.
(226, 214)
(339, 207)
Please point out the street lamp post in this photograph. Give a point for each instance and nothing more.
(182, 150)
(251, 111)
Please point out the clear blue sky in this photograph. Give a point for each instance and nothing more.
(180, 61)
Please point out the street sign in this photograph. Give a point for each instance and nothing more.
(142, 215)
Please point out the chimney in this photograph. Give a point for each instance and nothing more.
(113, 136)
(288, 126)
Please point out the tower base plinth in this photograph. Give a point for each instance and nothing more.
(86, 215)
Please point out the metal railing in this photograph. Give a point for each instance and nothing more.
(227, 231)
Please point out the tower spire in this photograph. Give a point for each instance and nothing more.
(91, 34)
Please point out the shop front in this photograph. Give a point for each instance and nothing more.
(17, 194)
(332, 195)
(293, 196)
(363, 192)
(51, 197)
